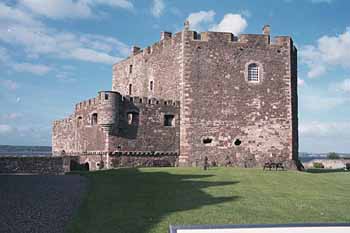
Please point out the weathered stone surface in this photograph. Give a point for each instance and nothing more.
(34, 165)
(214, 105)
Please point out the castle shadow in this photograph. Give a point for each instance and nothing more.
(131, 201)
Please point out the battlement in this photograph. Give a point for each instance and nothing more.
(64, 121)
(168, 40)
(137, 100)
(94, 102)
(145, 101)
(87, 103)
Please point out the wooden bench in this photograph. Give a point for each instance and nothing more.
(271, 165)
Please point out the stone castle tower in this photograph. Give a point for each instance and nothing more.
(232, 99)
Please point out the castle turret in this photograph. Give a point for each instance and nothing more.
(108, 110)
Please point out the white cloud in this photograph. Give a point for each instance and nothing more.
(200, 20)
(204, 20)
(70, 9)
(9, 84)
(5, 129)
(90, 55)
(6, 59)
(301, 82)
(324, 103)
(37, 39)
(126, 4)
(233, 23)
(11, 116)
(15, 15)
(343, 86)
(316, 71)
(31, 68)
(329, 51)
(158, 7)
(317, 101)
(4, 56)
(65, 77)
(324, 129)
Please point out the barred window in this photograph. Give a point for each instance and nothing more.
(253, 73)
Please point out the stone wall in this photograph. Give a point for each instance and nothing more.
(160, 63)
(77, 134)
(34, 165)
(328, 163)
(127, 159)
(246, 123)
(149, 132)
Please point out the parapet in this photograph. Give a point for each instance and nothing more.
(94, 102)
(168, 40)
(165, 35)
(145, 101)
(67, 120)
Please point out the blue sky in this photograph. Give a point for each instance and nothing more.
(54, 53)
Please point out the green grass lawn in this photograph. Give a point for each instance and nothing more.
(149, 199)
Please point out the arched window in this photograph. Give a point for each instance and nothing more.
(79, 121)
(133, 118)
(253, 73)
(94, 119)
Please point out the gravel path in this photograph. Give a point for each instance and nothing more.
(39, 204)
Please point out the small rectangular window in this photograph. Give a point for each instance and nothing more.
(130, 69)
(168, 120)
(151, 85)
(106, 96)
(130, 89)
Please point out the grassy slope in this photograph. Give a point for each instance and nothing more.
(148, 200)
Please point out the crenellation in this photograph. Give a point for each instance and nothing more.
(135, 50)
(255, 39)
(165, 35)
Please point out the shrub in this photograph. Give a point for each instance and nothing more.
(347, 166)
(318, 165)
(333, 155)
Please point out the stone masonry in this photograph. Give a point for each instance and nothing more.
(232, 99)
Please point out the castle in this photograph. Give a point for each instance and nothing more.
(231, 100)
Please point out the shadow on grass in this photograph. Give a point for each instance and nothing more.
(325, 170)
(130, 201)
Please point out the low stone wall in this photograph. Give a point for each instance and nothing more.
(34, 165)
(98, 161)
(328, 163)
(143, 161)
